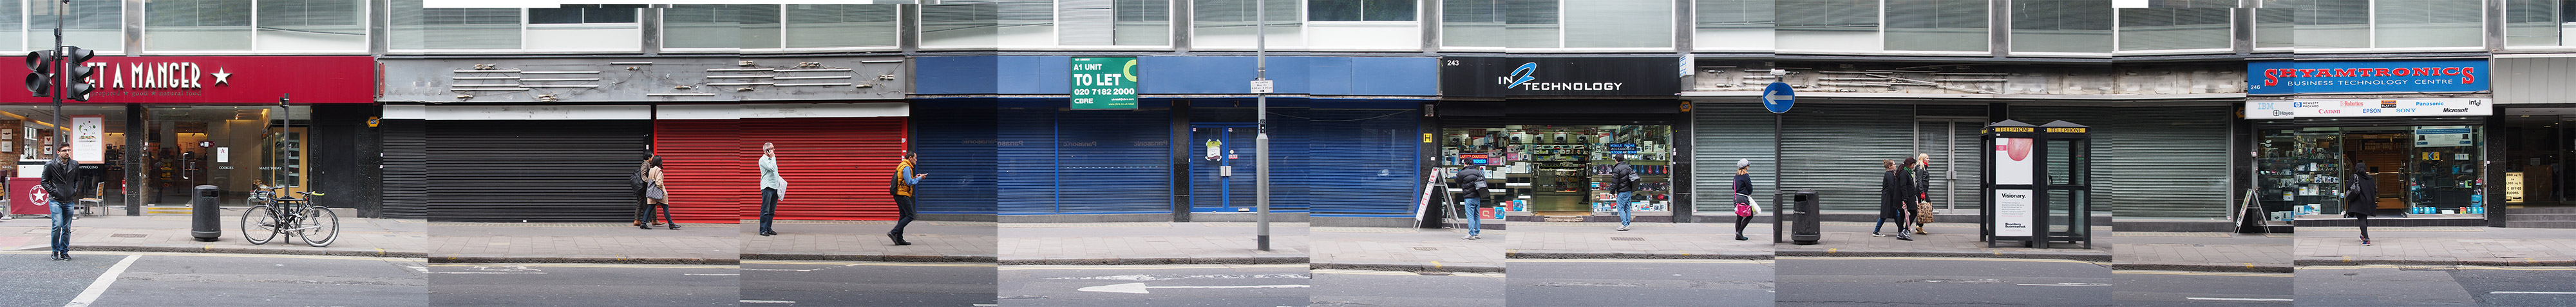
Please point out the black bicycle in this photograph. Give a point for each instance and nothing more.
(296, 217)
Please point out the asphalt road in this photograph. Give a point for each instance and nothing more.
(1913, 281)
(1154, 285)
(2379, 285)
(540, 284)
(2173, 288)
(205, 279)
(1640, 282)
(853, 283)
(1353, 288)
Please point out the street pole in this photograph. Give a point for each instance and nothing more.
(62, 83)
(1261, 122)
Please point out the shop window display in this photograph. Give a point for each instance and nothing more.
(1564, 170)
(2422, 171)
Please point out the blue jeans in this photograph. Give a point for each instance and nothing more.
(62, 215)
(1882, 224)
(768, 208)
(1475, 222)
(1622, 202)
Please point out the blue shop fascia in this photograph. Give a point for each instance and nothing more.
(1150, 138)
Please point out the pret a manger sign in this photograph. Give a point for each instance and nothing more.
(227, 79)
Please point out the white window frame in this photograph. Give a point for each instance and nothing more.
(2009, 38)
(2115, 40)
(2483, 6)
(1304, 34)
(1696, 46)
(1670, 42)
(26, 31)
(1881, 36)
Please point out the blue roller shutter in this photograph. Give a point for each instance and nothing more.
(1292, 163)
(1367, 164)
(1115, 162)
(1087, 162)
(1024, 168)
(956, 146)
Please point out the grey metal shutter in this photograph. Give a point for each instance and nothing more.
(1966, 156)
(1726, 132)
(536, 171)
(406, 150)
(2106, 183)
(1836, 149)
(2172, 161)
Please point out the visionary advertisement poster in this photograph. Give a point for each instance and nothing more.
(2013, 160)
(2012, 212)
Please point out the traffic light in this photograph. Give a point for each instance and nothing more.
(40, 72)
(79, 86)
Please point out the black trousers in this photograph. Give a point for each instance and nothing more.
(904, 218)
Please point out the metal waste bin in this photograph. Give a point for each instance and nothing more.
(1808, 215)
(204, 215)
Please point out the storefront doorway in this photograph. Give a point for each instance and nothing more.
(2537, 151)
(234, 148)
(1221, 178)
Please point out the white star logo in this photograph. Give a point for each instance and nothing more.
(221, 76)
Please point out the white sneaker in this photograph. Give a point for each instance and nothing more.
(1623, 228)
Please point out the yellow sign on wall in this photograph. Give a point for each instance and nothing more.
(1426, 138)
(2513, 187)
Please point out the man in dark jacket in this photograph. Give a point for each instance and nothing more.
(1622, 181)
(2362, 199)
(63, 186)
(1471, 182)
(1889, 206)
(904, 183)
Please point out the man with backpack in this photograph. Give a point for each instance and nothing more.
(902, 188)
(1471, 179)
(1623, 180)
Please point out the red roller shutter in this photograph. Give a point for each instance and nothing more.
(836, 168)
(702, 165)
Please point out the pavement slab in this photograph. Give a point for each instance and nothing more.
(460, 242)
(2482, 246)
(1959, 240)
(398, 238)
(2200, 251)
(1592, 240)
(932, 241)
(1407, 249)
(1149, 243)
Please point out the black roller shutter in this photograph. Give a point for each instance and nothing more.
(406, 169)
(536, 171)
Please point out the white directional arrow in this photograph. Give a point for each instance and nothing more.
(1140, 288)
(1771, 97)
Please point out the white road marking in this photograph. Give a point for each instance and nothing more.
(1140, 288)
(2070, 284)
(99, 287)
(488, 272)
(2239, 299)
(2529, 292)
(696, 274)
(767, 302)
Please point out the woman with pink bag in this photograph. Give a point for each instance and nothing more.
(1745, 208)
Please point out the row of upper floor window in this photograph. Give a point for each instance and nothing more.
(1920, 27)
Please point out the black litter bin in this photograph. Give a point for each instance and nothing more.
(1807, 230)
(204, 215)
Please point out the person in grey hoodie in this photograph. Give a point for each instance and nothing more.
(772, 187)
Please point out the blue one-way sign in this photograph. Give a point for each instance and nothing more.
(1778, 98)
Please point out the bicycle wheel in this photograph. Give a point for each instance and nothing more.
(257, 221)
(320, 226)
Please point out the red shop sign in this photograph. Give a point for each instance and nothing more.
(219, 79)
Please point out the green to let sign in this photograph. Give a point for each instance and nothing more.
(1104, 83)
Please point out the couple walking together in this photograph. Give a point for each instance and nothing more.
(1902, 196)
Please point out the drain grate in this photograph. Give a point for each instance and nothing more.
(1426, 248)
(126, 235)
(1627, 239)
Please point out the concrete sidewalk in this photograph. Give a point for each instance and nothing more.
(2482, 246)
(171, 233)
(932, 241)
(2201, 251)
(1407, 249)
(1852, 239)
(464, 242)
(1124, 243)
(1593, 240)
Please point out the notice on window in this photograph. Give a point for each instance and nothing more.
(2443, 136)
(89, 139)
(1104, 83)
(2013, 211)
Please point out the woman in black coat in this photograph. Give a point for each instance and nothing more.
(1893, 189)
(2361, 199)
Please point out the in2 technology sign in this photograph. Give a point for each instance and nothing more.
(1589, 77)
(1104, 83)
(2295, 77)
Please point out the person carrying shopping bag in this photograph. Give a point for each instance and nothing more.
(1745, 207)
(772, 187)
